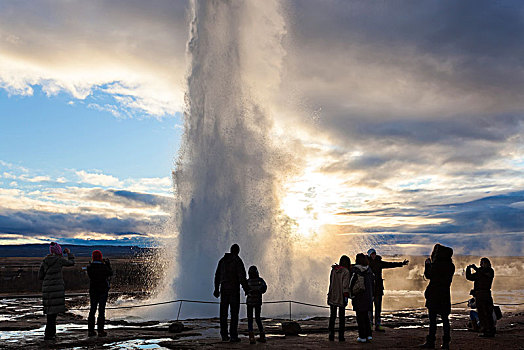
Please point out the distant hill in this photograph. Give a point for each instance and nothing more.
(36, 250)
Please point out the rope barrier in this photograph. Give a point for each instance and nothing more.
(217, 302)
(265, 302)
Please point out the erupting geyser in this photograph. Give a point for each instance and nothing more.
(227, 175)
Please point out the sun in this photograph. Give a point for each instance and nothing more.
(311, 201)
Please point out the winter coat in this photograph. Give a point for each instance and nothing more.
(230, 274)
(440, 274)
(257, 287)
(99, 273)
(338, 285)
(53, 289)
(363, 301)
(376, 266)
(482, 278)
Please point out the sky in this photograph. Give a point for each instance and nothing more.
(405, 119)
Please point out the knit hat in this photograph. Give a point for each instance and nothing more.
(97, 255)
(371, 251)
(55, 248)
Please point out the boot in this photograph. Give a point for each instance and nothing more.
(252, 338)
(101, 323)
(429, 344)
(331, 336)
(91, 327)
(262, 337)
(445, 342)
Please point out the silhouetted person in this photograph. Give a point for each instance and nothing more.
(338, 295)
(229, 276)
(99, 272)
(361, 287)
(53, 289)
(439, 269)
(257, 287)
(377, 264)
(483, 278)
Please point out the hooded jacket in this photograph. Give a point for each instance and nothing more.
(53, 288)
(440, 274)
(376, 266)
(363, 301)
(257, 287)
(99, 273)
(338, 285)
(482, 280)
(230, 274)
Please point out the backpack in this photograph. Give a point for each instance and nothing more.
(359, 286)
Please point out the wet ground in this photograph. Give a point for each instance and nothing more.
(22, 326)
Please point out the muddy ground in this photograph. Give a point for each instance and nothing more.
(22, 325)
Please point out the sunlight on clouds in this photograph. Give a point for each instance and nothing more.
(312, 199)
(386, 221)
(8, 238)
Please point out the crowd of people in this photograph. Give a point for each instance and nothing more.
(362, 283)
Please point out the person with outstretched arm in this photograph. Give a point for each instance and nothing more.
(377, 265)
(229, 276)
(483, 279)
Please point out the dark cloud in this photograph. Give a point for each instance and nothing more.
(494, 214)
(129, 198)
(42, 223)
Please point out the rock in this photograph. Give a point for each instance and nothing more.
(291, 328)
(176, 327)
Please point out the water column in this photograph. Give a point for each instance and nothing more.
(227, 174)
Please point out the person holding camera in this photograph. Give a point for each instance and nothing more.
(482, 278)
(439, 270)
(99, 271)
(53, 288)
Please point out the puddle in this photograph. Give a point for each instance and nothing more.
(138, 344)
(413, 327)
(15, 336)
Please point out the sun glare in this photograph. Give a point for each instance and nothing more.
(312, 201)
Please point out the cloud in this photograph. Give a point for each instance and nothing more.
(83, 48)
(98, 179)
(40, 223)
(394, 110)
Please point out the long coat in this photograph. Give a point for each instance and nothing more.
(338, 285)
(363, 301)
(53, 289)
(440, 274)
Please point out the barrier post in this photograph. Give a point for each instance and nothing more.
(290, 310)
(179, 307)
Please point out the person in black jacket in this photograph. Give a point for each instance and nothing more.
(439, 269)
(377, 264)
(483, 278)
(361, 290)
(99, 272)
(230, 274)
(257, 287)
